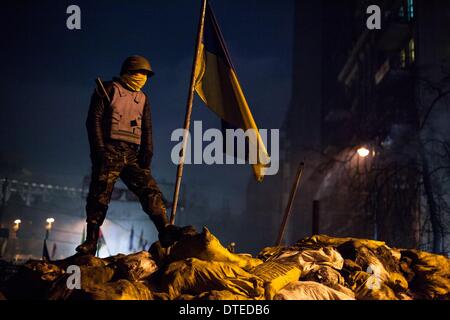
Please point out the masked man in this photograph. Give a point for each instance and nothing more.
(120, 136)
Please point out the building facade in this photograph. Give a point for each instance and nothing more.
(359, 120)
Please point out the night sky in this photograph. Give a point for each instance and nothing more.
(48, 77)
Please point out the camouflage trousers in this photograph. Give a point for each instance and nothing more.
(121, 161)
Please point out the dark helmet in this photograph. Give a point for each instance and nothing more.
(135, 63)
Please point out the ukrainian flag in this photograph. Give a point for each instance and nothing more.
(217, 85)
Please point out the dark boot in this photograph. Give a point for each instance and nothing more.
(165, 229)
(90, 245)
(168, 234)
(161, 222)
(173, 233)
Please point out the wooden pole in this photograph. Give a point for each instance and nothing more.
(290, 203)
(187, 119)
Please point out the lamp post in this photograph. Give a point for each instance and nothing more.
(363, 152)
(48, 228)
(16, 226)
(13, 237)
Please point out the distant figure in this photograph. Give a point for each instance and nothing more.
(119, 127)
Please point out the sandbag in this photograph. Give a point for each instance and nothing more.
(308, 290)
(32, 281)
(207, 247)
(136, 266)
(194, 276)
(378, 261)
(351, 266)
(276, 275)
(367, 286)
(90, 277)
(86, 260)
(119, 290)
(270, 253)
(159, 254)
(309, 260)
(318, 241)
(329, 277)
(430, 277)
(46, 270)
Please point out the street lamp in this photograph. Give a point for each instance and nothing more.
(48, 227)
(363, 152)
(50, 222)
(17, 223)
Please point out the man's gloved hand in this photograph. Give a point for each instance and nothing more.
(98, 156)
(145, 159)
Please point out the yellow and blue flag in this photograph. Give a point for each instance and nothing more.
(218, 86)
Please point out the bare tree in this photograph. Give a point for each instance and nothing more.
(403, 184)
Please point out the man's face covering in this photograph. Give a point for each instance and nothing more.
(135, 81)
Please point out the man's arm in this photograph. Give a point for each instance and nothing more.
(94, 123)
(146, 150)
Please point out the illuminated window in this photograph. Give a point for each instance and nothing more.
(410, 10)
(412, 51)
(403, 59)
(407, 10)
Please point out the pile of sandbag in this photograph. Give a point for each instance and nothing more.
(199, 267)
(366, 269)
(113, 278)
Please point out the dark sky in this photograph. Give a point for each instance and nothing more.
(49, 71)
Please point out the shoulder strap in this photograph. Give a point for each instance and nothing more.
(101, 91)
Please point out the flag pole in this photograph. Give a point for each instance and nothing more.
(290, 203)
(187, 119)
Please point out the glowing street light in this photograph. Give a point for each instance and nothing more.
(49, 223)
(363, 152)
(17, 223)
(48, 227)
